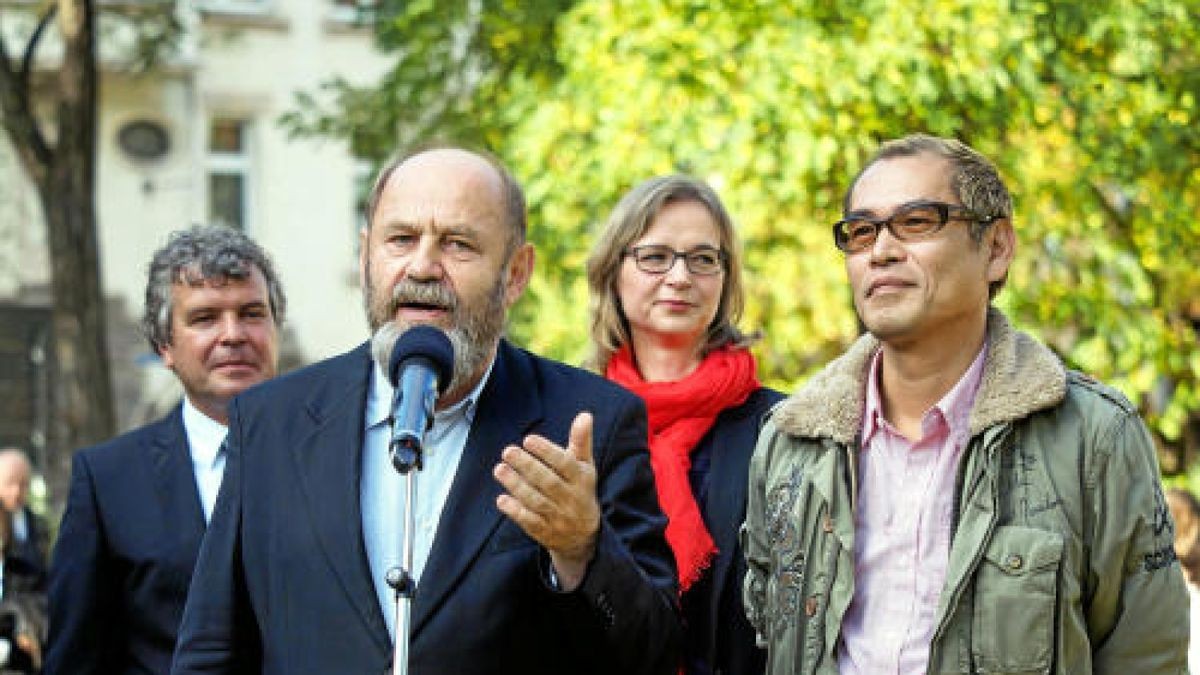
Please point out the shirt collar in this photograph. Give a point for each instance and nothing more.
(379, 399)
(873, 412)
(954, 406)
(205, 435)
(957, 403)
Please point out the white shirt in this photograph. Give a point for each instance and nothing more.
(205, 436)
(381, 492)
(20, 525)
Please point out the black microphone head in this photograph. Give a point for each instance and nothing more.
(428, 343)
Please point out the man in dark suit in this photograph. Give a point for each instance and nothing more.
(538, 546)
(28, 530)
(138, 504)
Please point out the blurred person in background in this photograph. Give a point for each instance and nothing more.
(22, 602)
(139, 504)
(666, 294)
(29, 535)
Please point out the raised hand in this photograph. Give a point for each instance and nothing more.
(551, 495)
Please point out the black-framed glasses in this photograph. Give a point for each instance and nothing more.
(909, 222)
(702, 261)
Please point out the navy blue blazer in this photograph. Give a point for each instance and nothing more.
(283, 584)
(125, 552)
(721, 634)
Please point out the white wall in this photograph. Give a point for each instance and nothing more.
(302, 191)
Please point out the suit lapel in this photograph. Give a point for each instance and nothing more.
(508, 408)
(328, 461)
(175, 484)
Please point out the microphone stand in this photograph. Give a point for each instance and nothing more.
(407, 459)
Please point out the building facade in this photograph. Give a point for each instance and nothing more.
(197, 139)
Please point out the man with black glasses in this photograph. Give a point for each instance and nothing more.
(946, 496)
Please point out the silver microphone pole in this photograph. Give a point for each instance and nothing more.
(407, 458)
(420, 365)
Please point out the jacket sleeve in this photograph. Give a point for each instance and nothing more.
(753, 536)
(218, 633)
(628, 595)
(82, 634)
(1137, 612)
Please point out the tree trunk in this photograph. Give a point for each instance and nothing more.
(82, 401)
(64, 172)
(84, 393)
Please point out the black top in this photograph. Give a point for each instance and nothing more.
(22, 610)
(718, 638)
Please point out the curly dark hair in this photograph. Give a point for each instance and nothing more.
(193, 255)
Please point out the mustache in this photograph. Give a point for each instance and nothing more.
(409, 292)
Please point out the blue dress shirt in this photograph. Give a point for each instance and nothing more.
(382, 488)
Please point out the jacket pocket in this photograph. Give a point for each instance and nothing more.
(1016, 588)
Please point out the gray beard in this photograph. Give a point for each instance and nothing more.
(473, 335)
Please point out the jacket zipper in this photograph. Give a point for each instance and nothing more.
(989, 465)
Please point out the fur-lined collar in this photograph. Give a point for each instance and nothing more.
(1020, 377)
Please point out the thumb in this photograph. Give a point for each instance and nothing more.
(581, 437)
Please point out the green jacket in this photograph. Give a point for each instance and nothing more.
(1061, 558)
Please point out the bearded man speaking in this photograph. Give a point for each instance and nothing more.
(538, 545)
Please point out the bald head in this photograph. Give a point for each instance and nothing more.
(468, 169)
(15, 472)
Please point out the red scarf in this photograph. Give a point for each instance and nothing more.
(680, 414)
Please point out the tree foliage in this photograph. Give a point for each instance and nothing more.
(1089, 110)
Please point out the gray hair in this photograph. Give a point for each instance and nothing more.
(974, 179)
(514, 196)
(197, 254)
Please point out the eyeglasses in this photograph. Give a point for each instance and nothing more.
(912, 221)
(659, 259)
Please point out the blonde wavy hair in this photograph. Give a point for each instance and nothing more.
(628, 222)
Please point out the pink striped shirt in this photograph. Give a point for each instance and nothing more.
(902, 530)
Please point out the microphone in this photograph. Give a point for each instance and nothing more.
(420, 367)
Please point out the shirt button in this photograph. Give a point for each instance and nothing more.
(827, 524)
(1014, 562)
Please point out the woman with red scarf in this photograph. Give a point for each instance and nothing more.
(665, 279)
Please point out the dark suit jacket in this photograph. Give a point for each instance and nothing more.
(31, 550)
(727, 641)
(125, 552)
(22, 610)
(283, 584)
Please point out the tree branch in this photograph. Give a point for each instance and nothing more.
(16, 116)
(77, 81)
(31, 48)
(466, 73)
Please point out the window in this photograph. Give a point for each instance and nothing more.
(354, 11)
(229, 173)
(236, 6)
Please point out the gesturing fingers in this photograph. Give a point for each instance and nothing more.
(550, 491)
(526, 478)
(571, 464)
(580, 444)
